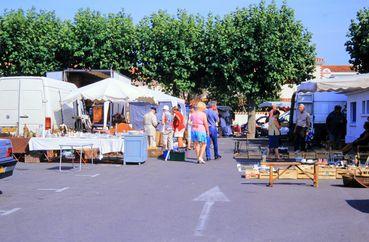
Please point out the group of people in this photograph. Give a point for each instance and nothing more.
(303, 123)
(335, 126)
(201, 127)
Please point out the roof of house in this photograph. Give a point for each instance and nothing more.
(338, 68)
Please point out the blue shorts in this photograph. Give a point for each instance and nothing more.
(198, 136)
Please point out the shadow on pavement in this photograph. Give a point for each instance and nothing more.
(57, 168)
(275, 184)
(361, 205)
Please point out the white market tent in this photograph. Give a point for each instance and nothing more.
(109, 89)
(337, 84)
(115, 90)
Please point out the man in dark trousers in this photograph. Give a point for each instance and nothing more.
(335, 123)
(302, 125)
(213, 119)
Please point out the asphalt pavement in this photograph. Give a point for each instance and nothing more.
(175, 201)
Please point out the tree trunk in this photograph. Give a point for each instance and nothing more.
(251, 118)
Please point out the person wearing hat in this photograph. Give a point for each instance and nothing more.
(150, 122)
(167, 123)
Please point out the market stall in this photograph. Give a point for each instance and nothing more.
(104, 143)
(107, 91)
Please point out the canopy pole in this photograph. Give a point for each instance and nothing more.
(106, 110)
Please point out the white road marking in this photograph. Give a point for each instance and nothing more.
(90, 175)
(7, 212)
(210, 197)
(62, 189)
(53, 189)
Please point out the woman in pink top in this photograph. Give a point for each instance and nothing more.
(200, 131)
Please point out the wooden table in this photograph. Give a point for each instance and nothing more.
(289, 165)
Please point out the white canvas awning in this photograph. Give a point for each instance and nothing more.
(276, 103)
(343, 84)
(109, 89)
(159, 96)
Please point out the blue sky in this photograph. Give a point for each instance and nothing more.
(328, 20)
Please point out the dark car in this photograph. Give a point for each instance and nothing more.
(259, 131)
(7, 161)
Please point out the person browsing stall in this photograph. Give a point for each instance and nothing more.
(167, 123)
(200, 131)
(213, 119)
(302, 124)
(150, 122)
(274, 133)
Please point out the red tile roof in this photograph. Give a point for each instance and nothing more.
(338, 68)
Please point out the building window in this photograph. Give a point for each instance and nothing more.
(353, 112)
(367, 106)
(363, 109)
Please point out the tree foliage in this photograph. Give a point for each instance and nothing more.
(168, 49)
(240, 58)
(358, 43)
(258, 49)
(28, 42)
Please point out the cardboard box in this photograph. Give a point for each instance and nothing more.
(89, 153)
(154, 152)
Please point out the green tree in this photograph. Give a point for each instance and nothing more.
(28, 42)
(167, 50)
(97, 41)
(358, 43)
(257, 50)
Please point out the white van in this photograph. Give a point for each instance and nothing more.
(35, 102)
(318, 105)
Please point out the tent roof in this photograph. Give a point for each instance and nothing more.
(159, 96)
(109, 89)
(343, 84)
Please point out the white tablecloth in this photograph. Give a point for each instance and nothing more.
(105, 145)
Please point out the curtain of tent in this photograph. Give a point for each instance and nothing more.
(137, 111)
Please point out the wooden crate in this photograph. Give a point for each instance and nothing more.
(265, 175)
(32, 158)
(251, 174)
(306, 168)
(326, 172)
(340, 172)
(289, 174)
(309, 155)
(322, 155)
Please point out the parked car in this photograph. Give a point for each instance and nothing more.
(284, 120)
(7, 161)
(259, 131)
(262, 125)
